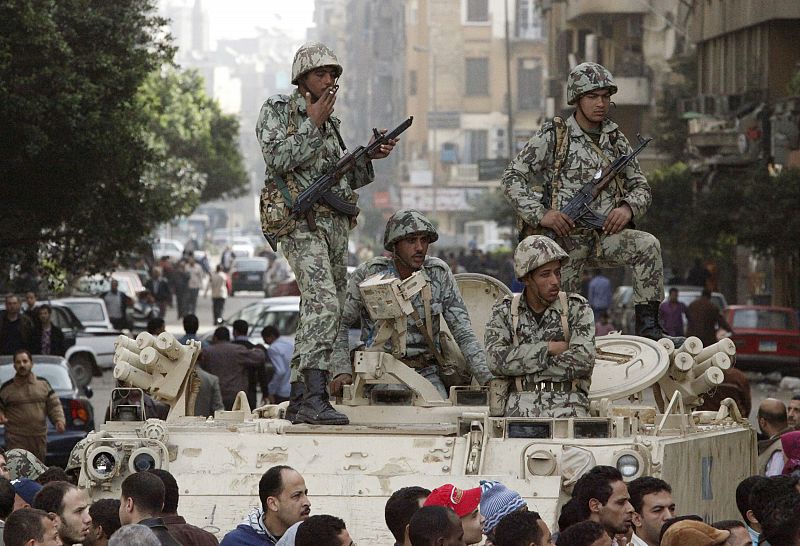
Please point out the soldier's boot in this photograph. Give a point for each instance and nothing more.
(316, 408)
(295, 401)
(647, 324)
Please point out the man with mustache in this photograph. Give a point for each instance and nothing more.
(407, 236)
(300, 141)
(557, 162)
(543, 339)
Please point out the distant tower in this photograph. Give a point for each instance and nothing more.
(199, 27)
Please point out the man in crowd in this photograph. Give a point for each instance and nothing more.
(744, 505)
(793, 412)
(105, 522)
(31, 303)
(183, 532)
(300, 141)
(763, 494)
(141, 501)
(71, 505)
(25, 492)
(25, 403)
(257, 376)
(522, 528)
(407, 236)
(400, 507)
(48, 338)
(781, 520)
(16, 329)
(585, 533)
(689, 532)
(279, 352)
(209, 397)
(704, 318)
(117, 304)
(196, 274)
(229, 363)
(159, 287)
(543, 340)
(219, 293)
(284, 502)
(652, 503)
(554, 166)
(738, 532)
(773, 422)
(465, 503)
(435, 526)
(602, 494)
(155, 326)
(29, 527)
(323, 530)
(599, 293)
(190, 326)
(671, 313)
(497, 502)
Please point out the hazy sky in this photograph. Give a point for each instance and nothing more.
(239, 18)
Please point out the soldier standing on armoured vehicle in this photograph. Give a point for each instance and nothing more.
(542, 339)
(407, 236)
(300, 141)
(558, 161)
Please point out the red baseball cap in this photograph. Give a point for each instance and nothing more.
(461, 501)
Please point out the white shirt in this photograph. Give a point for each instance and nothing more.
(775, 464)
(219, 285)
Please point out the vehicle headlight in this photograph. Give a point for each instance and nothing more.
(143, 459)
(103, 463)
(630, 464)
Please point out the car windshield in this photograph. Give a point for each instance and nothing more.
(56, 375)
(761, 318)
(250, 265)
(87, 311)
(99, 285)
(258, 316)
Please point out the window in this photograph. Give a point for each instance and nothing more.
(529, 20)
(529, 84)
(477, 11)
(477, 84)
(412, 82)
(477, 145)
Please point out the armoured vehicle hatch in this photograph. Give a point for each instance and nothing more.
(351, 470)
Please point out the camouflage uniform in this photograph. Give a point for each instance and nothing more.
(526, 361)
(21, 463)
(531, 172)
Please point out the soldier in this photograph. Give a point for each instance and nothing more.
(407, 236)
(556, 163)
(543, 339)
(300, 141)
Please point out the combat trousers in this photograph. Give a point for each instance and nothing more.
(319, 261)
(35, 444)
(547, 404)
(636, 249)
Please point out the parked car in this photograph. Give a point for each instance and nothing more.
(248, 274)
(622, 309)
(74, 401)
(767, 338)
(170, 248)
(242, 247)
(91, 312)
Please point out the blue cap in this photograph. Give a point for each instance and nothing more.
(26, 489)
(497, 501)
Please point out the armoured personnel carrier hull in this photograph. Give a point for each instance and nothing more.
(351, 470)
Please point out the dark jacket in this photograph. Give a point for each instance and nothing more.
(209, 398)
(244, 535)
(58, 345)
(186, 533)
(161, 293)
(703, 317)
(26, 330)
(260, 375)
(160, 530)
(229, 362)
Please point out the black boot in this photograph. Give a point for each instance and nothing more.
(295, 400)
(316, 408)
(647, 324)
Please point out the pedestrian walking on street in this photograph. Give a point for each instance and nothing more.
(704, 318)
(16, 329)
(219, 293)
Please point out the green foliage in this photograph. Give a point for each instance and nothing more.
(671, 128)
(770, 222)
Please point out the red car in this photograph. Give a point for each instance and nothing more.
(767, 338)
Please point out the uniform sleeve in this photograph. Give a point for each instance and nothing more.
(54, 409)
(283, 153)
(350, 318)
(523, 181)
(455, 314)
(362, 174)
(503, 357)
(578, 360)
(637, 190)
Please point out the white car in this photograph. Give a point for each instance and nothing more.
(170, 248)
(91, 312)
(242, 247)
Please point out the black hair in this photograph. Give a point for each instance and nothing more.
(429, 523)
(581, 534)
(322, 530)
(43, 306)
(780, 521)
(171, 491)
(105, 514)
(672, 521)
(706, 293)
(571, 513)
(222, 334)
(743, 491)
(22, 351)
(400, 507)
(645, 485)
(728, 524)
(191, 324)
(271, 483)
(596, 484)
(766, 491)
(53, 474)
(673, 289)
(50, 498)
(240, 327)
(518, 529)
(796, 397)
(7, 494)
(24, 525)
(146, 490)
(155, 325)
(270, 331)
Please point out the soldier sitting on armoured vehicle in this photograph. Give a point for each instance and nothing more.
(407, 236)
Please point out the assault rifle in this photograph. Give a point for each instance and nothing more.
(320, 189)
(578, 207)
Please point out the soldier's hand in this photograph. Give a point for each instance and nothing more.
(557, 347)
(60, 426)
(385, 149)
(617, 219)
(339, 382)
(558, 222)
(320, 111)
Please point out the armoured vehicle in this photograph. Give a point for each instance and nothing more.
(422, 439)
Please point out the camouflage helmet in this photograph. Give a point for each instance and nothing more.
(407, 222)
(23, 464)
(310, 56)
(535, 251)
(76, 454)
(588, 77)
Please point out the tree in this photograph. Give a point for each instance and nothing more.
(671, 128)
(492, 205)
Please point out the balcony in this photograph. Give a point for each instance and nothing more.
(592, 8)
